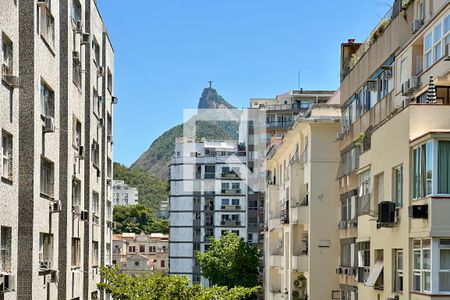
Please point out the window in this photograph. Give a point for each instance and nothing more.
(152, 249)
(421, 10)
(110, 81)
(76, 11)
(236, 232)
(225, 202)
(7, 51)
(97, 103)
(96, 48)
(235, 186)
(76, 133)
(443, 168)
(47, 177)
(398, 186)
(163, 263)
(76, 192)
(234, 201)
(131, 248)
(225, 185)
(6, 163)
(47, 101)
(435, 41)
(379, 188)
(108, 211)
(444, 265)
(76, 252)
(76, 69)
(95, 203)
(95, 153)
(210, 172)
(421, 273)
(364, 192)
(347, 249)
(398, 271)
(422, 170)
(141, 248)
(5, 249)
(47, 26)
(94, 253)
(45, 248)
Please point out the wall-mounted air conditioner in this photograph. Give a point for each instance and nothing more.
(49, 124)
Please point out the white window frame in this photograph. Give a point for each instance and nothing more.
(439, 42)
(397, 171)
(398, 270)
(420, 271)
(447, 270)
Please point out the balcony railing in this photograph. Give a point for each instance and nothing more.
(229, 175)
(231, 191)
(364, 204)
(230, 207)
(230, 222)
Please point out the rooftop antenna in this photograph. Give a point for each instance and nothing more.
(210, 83)
(298, 79)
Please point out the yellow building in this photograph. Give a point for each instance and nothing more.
(394, 174)
(301, 241)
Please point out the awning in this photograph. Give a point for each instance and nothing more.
(374, 273)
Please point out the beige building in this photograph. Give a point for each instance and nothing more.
(394, 174)
(56, 97)
(301, 244)
(141, 253)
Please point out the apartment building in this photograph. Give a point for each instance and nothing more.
(208, 197)
(301, 244)
(142, 253)
(56, 124)
(123, 194)
(394, 144)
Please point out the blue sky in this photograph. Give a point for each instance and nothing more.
(166, 50)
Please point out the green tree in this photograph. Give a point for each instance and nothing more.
(230, 262)
(137, 218)
(162, 287)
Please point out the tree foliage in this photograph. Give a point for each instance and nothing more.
(152, 190)
(230, 262)
(162, 287)
(137, 218)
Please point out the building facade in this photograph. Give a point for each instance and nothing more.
(208, 197)
(56, 125)
(301, 244)
(142, 253)
(393, 177)
(124, 194)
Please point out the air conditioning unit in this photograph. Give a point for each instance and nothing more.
(410, 86)
(108, 181)
(339, 270)
(100, 71)
(109, 138)
(351, 272)
(447, 52)
(49, 124)
(45, 265)
(386, 213)
(418, 211)
(79, 27)
(76, 209)
(416, 25)
(54, 276)
(101, 99)
(372, 85)
(11, 80)
(85, 39)
(56, 206)
(9, 283)
(42, 3)
(115, 100)
(84, 215)
(342, 225)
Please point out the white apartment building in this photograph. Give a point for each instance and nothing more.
(56, 97)
(207, 198)
(123, 194)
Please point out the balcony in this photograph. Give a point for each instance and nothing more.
(231, 191)
(280, 125)
(229, 175)
(275, 261)
(231, 207)
(300, 263)
(274, 224)
(230, 222)
(300, 215)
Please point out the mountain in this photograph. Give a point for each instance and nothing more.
(156, 159)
